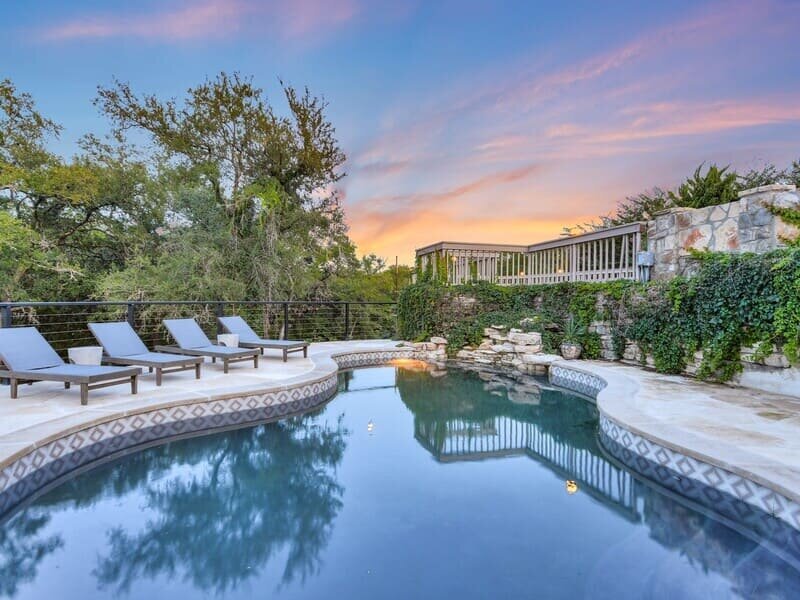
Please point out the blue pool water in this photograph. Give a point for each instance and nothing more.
(407, 485)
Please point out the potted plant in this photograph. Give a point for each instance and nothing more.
(570, 344)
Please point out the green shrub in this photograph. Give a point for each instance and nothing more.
(717, 186)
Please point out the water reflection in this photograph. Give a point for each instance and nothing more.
(485, 415)
(22, 547)
(216, 509)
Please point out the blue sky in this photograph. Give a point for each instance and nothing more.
(471, 120)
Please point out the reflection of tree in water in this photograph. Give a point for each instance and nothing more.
(22, 548)
(252, 493)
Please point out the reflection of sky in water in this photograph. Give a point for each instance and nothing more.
(321, 507)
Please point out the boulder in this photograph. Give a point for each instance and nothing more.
(532, 349)
(439, 341)
(524, 339)
(544, 360)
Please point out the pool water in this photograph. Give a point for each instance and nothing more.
(409, 484)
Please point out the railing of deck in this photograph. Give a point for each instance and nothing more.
(604, 255)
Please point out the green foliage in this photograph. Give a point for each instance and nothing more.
(734, 301)
(766, 175)
(632, 209)
(786, 324)
(418, 310)
(716, 186)
(573, 330)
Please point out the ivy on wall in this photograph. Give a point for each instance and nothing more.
(733, 301)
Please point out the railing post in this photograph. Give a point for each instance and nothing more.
(347, 320)
(130, 315)
(286, 320)
(5, 321)
(220, 312)
(5, 316)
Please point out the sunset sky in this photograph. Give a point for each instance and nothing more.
(462, 120)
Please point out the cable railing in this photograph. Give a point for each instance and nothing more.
(65, 324)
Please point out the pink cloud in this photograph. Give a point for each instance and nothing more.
(210, 18)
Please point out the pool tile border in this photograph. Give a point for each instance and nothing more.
(668, 466)
(54, 459)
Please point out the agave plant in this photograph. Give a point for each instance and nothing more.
(573, 331)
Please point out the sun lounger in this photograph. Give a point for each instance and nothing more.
(250, 339)
(28, 358)
(123, 346)
(192, 341)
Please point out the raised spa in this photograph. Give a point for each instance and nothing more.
(411, 483)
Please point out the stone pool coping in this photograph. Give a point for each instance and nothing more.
(739, 441)
(53, 435)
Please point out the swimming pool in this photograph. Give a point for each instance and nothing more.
(412, 482)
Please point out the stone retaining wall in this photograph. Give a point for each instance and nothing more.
(746, 225)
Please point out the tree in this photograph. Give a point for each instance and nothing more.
(767, 175)
(87, 210)
(632, 209)
(271, 178)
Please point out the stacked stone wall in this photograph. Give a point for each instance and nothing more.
(746, 225)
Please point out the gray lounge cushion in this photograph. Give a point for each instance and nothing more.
(222, 349)
(187, 333)
(118, 339)
(159, 357)
(24, 349)
(81, 370)
(240, 327)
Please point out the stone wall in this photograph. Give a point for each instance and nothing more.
(746, 225)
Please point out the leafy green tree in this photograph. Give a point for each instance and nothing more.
(716, 186)
(271, 179)
(87, 210)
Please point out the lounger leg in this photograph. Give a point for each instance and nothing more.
(225, 365)
(84, 394)
(285, 355)
(158, 375)
(14, 390)
(197, 370)
(134, 382)
(66, 385)
(255, 361)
